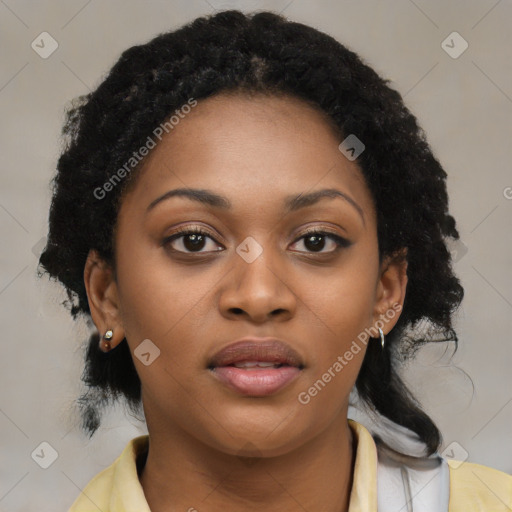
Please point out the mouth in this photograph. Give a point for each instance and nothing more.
(256, 367)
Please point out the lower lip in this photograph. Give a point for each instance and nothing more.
(256, 382)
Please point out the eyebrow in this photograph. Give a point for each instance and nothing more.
(291, 203)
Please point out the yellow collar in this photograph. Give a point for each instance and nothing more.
(118, 489)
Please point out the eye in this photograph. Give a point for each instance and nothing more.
(315, 241)
(191, 238)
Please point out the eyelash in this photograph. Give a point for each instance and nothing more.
(196, 230)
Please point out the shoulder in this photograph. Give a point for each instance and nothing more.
(479, 488)
(96, 493)
(117, 484)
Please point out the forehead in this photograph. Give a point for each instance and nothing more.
(254, 149)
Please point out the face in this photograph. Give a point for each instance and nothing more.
(307, 273)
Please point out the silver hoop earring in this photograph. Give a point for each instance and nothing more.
(382, 341)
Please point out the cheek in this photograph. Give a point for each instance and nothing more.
(339, 344)
(348, 303)
(163, 301)
(149, 292)
(338, 309)
(343, 300)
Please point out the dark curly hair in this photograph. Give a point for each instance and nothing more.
(263, 53)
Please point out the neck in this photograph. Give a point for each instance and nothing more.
(182, 473)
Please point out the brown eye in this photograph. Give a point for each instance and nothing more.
(191, 239)
(316, 241)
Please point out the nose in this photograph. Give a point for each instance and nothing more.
(257, 291)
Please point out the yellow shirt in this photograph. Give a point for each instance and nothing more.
(473, 487)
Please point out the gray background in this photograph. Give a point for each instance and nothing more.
(465, 106)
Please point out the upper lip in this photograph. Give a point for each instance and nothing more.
(257, 349)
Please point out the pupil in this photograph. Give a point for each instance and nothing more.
(196, 241)
(315, 245)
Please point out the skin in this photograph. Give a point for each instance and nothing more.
(255, 151)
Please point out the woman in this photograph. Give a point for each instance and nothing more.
(255, 224)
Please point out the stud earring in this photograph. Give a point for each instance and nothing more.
(382, 341)
(106, 340)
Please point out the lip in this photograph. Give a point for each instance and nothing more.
(256, 381)
(272, 350)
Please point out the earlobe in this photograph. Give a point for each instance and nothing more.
(103, 300)
(391, 290)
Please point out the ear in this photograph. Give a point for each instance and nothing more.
(390, 293)
(103, 297)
